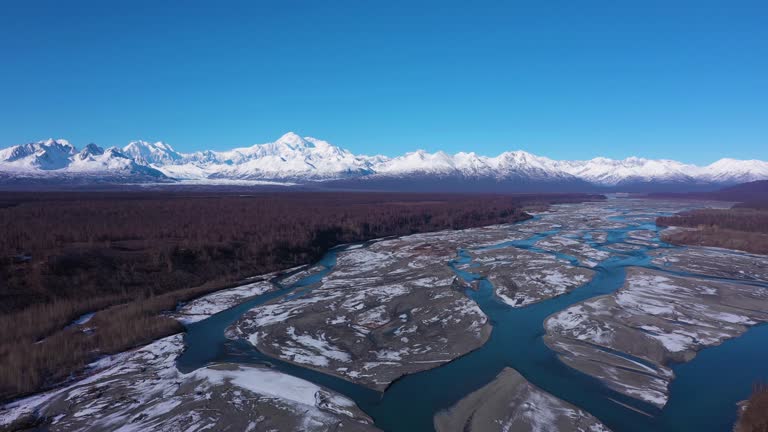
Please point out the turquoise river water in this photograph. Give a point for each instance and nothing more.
(703, 395)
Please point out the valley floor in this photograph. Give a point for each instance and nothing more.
(575, 320)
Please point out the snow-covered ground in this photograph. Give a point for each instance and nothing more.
(206, 306)
(142, 390)
(587, 255)
(391, 308)
(714, 262)
(656, 318)
(510, 403)
(521, 277)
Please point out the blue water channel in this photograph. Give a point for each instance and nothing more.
(703, 396)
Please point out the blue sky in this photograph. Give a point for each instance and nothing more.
(684, 80)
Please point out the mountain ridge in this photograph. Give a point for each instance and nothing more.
(296, 159)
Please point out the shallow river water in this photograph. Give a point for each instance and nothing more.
(703, 395)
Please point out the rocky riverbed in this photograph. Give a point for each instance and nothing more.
(521, 277)
(511, 404)
(713, 262)
(392, 308)
(629, 338)
(396, 307)
(211, 304)
(142, 390)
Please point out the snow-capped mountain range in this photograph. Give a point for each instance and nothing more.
(59, 158)
(303, 160)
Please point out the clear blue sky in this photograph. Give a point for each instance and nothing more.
(567, 79)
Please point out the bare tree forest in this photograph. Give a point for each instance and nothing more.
(754, 417)
(129, 256)
(743, 227)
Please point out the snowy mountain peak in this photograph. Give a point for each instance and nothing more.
(56, 142)
(737, 163)
(90, 151)
(147, 153)
(418, 162)
(326, 148)
(48, 154)
(290, 157)
(292, 139)
(634, 160)
(613, 172)
(729, 170)
(291, 145)
(519, 156)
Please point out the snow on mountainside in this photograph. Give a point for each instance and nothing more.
(50, 154)
(509, 165)
(152, 153)
(610, 172)
(735, 171)
(291, 157)
(419, 162)
(297, 159)
(525, 165)
(58, 158)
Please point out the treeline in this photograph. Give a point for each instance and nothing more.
(133, 255)
(156, 244)
(737, 218)
(757, 204)
(752, 192)
(739, 228)
(754, 417)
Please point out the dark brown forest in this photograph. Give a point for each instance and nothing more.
(754, 417)
(743, 227)
(130, 256)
